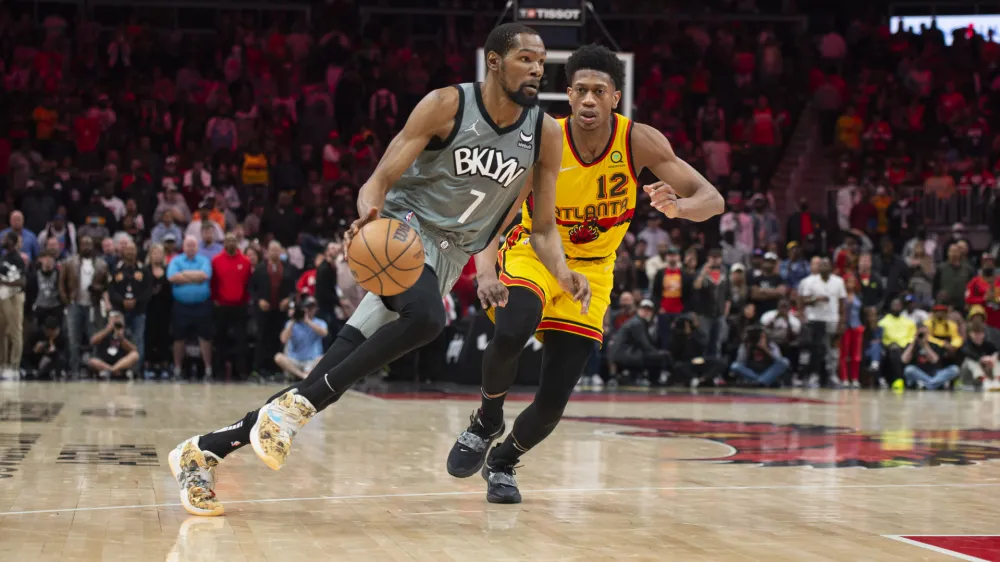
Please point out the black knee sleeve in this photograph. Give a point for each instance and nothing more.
(424, 322)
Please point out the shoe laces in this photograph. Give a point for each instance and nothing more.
(503, 473)
(478, 428)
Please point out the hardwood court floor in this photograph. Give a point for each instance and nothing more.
(815, 475)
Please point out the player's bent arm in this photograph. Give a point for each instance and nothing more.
(545, 238)
(486, 260)
(698, 200)
(286, 333)
(433, 117)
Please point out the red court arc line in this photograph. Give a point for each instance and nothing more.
(980, 548)
(650, 398)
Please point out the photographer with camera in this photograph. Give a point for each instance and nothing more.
(113, 354)
(687, 354)
(923, 364)
(46, 353)
(759, 360)
(632, 347)
(303, 339)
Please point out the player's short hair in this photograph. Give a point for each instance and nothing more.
(599, 58)
(504, 37)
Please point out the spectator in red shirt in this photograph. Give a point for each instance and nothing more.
(306, 285)
(87, 135)
(879, 134)
(668, 285)
(230, 278)
(984, 290)
(950, 104)
(763, 131)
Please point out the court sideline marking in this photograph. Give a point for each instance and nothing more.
(542, 491)
(938, 549)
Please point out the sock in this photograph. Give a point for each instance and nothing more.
(208, 371)
(228, 439)
(491, 410)
(508, 452)
(177, 371)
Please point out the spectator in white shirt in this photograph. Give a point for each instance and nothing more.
(739, 222)
(783, 328)
(653, 234)
(113, 203)
(197, 176)
(847, 197)
(718, 154)
(822, 297)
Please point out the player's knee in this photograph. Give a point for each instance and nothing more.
(426, 327)
(508, 342)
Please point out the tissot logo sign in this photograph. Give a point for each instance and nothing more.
(552, 16)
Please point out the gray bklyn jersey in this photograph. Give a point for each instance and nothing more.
(462, 187)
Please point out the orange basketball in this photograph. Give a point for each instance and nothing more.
(386, 257)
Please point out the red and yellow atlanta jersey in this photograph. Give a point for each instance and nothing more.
(594, 202)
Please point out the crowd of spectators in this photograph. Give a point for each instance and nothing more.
(173, 206)
(894, 293)
(167, 197)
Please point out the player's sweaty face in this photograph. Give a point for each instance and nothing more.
(592, 97)
(523, 68)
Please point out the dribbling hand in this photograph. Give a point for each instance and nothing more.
(663, 198)
(578, 286)
(492, 293)
(356, 226)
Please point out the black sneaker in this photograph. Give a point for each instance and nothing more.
(501, 487)
(469, 452)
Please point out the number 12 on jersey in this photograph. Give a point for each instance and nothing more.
(619, 185)
(479, 195)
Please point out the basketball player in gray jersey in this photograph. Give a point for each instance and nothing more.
(465, 157)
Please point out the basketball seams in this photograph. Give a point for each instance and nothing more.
(366, 279)
(384, 269)
(374, 259)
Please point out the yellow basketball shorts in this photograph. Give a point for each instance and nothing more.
(520, 267)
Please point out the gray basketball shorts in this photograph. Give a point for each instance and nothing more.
(440, 255)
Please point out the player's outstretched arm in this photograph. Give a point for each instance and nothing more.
(433, 117)
(544, 234)
(681, 192)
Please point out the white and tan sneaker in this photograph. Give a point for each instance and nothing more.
(277, 423)
(194, 471)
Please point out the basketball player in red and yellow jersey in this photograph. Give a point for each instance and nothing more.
(595, 201)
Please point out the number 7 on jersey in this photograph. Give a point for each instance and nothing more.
(479, 195)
